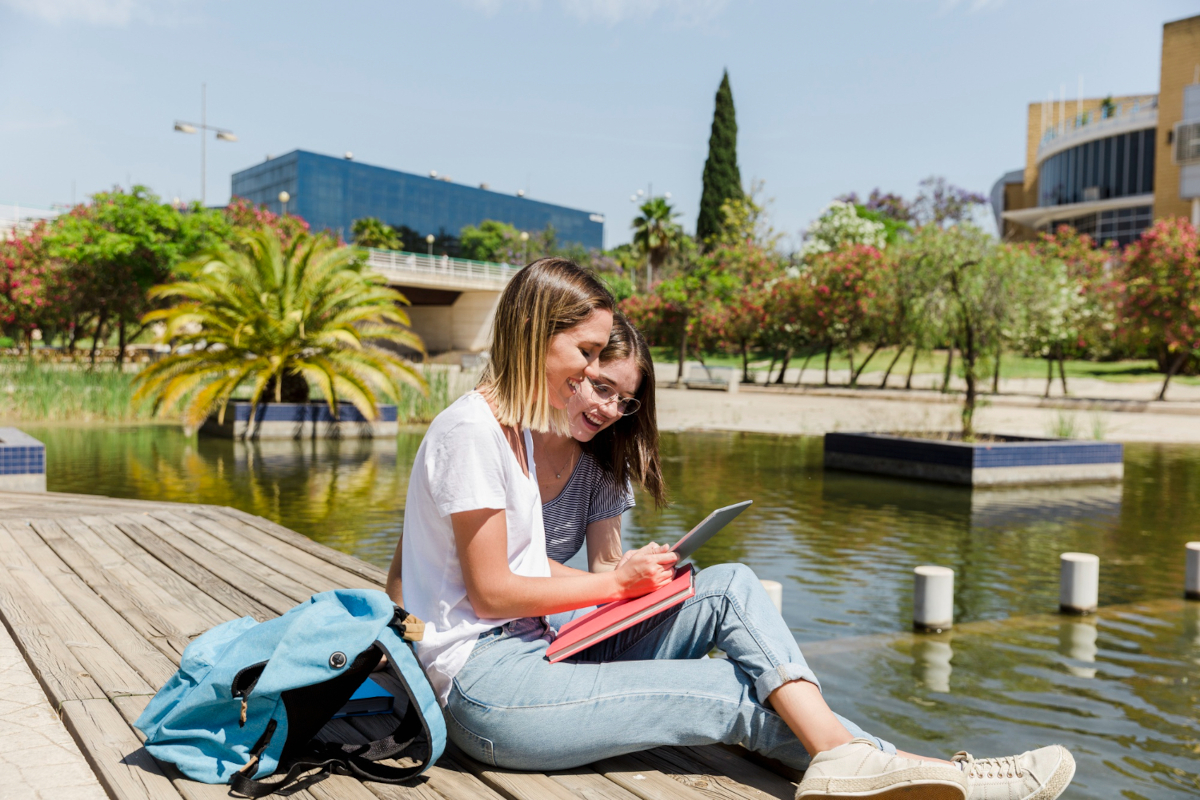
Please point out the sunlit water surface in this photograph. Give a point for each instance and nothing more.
(1121, 690)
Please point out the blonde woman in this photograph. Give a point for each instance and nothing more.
(475, 568)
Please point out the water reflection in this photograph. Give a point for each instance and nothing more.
(931, 655)
(1077, 641)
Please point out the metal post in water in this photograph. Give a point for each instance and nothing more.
(933, 598)
(775, 592)
(1191, 581)
(1079, 590)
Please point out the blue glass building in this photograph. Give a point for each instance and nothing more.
(331, 193)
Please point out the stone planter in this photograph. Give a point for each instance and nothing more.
(300, 421)
(1006, 461)
(22, 462)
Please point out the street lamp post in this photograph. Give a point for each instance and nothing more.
(191, 127)
(283, 201)
(429, 241)
(525, 239)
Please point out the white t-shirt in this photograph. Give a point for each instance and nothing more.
(463, 464)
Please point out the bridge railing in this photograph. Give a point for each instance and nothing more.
(441, 266)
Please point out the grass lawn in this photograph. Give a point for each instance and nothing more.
(1012, 365)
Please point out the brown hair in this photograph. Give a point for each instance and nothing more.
(628, 449)
(547, 297)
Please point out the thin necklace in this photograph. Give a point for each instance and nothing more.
(570, 460)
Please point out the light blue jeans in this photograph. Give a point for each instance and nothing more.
(649, 686)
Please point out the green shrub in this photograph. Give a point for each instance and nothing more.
(34, 393)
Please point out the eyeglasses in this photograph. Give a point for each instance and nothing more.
(627, 406)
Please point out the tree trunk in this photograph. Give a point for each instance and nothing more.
(99, 329)
(888, 372)
(1175, 365)
(1049, 373)
(850, 373)
(949, 367)
(787, 359)
(828, 355)
(996, 374)
(1062, 372)
(912, 365)
(120, 343)
(745, 362)
(969, 358)
(682, 351)
(804, 366)
(856, 375)
(74, 335)
(771, 366)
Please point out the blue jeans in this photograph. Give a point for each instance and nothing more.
(649, 686)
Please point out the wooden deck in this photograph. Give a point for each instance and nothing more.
(102, 595)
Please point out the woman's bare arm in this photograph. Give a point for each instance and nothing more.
(604, 544)
(496, 593)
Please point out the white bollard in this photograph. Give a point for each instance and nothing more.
(775, 592)
(1079, 590)
(1191, 581)
(933, 598)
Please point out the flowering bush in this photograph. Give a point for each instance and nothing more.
(35, 289)
(839, 226)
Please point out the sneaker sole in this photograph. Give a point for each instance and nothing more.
(917, 784)
(1059, 781)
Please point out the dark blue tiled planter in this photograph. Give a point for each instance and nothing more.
(1015, 460)
(300, 421)
(22, 462)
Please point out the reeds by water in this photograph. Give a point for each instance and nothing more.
(31, 392)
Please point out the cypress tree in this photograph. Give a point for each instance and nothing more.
(722, 180)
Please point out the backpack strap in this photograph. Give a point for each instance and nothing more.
(358, 760)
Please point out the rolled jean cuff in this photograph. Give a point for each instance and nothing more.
(771, 680)
(859, 733)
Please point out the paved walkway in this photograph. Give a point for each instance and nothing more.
(38, 757)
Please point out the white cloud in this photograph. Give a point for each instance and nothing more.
(613, 11)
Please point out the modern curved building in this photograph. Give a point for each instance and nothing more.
(1111, 166)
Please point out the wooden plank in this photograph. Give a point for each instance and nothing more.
(769, 764)
(142, 655)
(645, 781)
(344, 560)
(107, 528)
(222, 566)
(282, 583)
(60, 674)
(318, 564)
(188, 620)
(513, 785)
(30, 587)
(313, 581)
(145, 619)
(681, 766)
(587, 784)
(123, 766)
(202, 580)
(742, 770)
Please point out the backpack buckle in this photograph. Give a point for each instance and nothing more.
(409, 627)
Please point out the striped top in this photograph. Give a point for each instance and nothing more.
(591, 494)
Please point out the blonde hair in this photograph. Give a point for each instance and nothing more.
(547, 297)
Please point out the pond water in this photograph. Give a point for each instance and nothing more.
(843, 546)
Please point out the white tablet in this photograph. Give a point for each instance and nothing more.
(697, 536)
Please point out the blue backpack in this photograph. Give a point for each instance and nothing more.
(250, 696)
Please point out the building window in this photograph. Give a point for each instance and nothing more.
(1120, 225)
(1115, 166)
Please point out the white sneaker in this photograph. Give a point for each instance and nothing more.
(1036, 775)
(861, 769)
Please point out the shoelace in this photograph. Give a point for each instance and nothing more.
(1006, 767)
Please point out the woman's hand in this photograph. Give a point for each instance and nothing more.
(646, 569)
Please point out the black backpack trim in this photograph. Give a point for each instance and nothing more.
(309, 708)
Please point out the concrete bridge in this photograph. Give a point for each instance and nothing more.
(453, 299)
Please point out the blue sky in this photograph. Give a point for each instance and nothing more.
(582, 102)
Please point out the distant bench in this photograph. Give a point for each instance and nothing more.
(724, 379)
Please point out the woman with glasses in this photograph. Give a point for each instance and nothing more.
(585, 478)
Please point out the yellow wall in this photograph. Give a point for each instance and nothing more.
(1180, 59)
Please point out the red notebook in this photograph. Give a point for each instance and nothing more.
(609, 620)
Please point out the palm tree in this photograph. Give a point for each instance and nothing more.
(656, 233)
(278, 318)
(373, 232)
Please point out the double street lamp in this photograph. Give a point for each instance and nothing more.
(191, 127)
